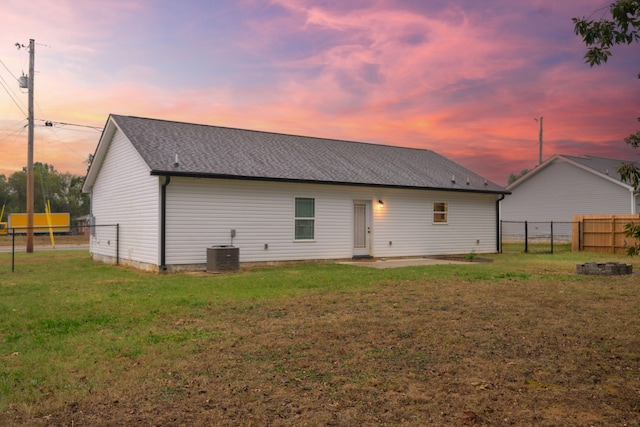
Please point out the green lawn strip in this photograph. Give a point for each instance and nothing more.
(69, 325)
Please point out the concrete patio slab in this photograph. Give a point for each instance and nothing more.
(401, 262)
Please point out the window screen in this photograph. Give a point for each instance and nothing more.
(440, 212)
(305, 218)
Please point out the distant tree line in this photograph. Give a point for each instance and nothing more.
(62, 190)
(513, 177)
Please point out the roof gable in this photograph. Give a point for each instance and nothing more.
(599, 166)
(184, 149)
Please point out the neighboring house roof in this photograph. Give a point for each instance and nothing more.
(600, 166)
(220, 152)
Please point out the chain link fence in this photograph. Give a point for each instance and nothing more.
(534, 237)
(14, 243)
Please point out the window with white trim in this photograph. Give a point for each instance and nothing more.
(305, 218)
(440, 212)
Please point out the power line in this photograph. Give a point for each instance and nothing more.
(17, 135)
(7, 68)
(67, 146)
(49, 123)
(14, 97)
(12, 131)
(30, 122)
(11, 94)
(6, 87)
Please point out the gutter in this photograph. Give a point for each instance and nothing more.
(163, 223)
(167, 174)
(498, 241)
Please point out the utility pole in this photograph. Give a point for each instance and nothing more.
(32, 47)
(540, 139)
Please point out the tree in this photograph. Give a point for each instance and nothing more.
(599, 37)
(3, 194)
(63, 191)
(513, 177)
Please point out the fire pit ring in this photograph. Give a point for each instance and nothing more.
(604, 268)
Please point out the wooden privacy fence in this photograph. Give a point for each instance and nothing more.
(602, 233)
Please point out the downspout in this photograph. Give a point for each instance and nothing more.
(163, 223)
(498, 241)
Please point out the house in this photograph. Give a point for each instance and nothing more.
(564, 186)
(176, 189)
(83, 225)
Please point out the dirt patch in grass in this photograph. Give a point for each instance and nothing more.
(507, 351)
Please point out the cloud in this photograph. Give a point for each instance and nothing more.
(465, 79)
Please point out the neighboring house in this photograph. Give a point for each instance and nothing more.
(83, 225)
(564, 186)
(176, 189)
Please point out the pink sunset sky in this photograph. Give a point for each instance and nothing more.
(464, 78)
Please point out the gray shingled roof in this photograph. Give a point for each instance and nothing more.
(600, 164)
(215, 151)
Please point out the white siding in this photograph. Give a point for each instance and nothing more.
(202, 212)
(407, 222)
(562, 190)
(124, 193)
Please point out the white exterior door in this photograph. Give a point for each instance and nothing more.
(361, 228)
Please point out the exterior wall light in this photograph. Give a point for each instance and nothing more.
(380, 203)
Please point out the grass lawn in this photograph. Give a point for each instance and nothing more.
(522, 340)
